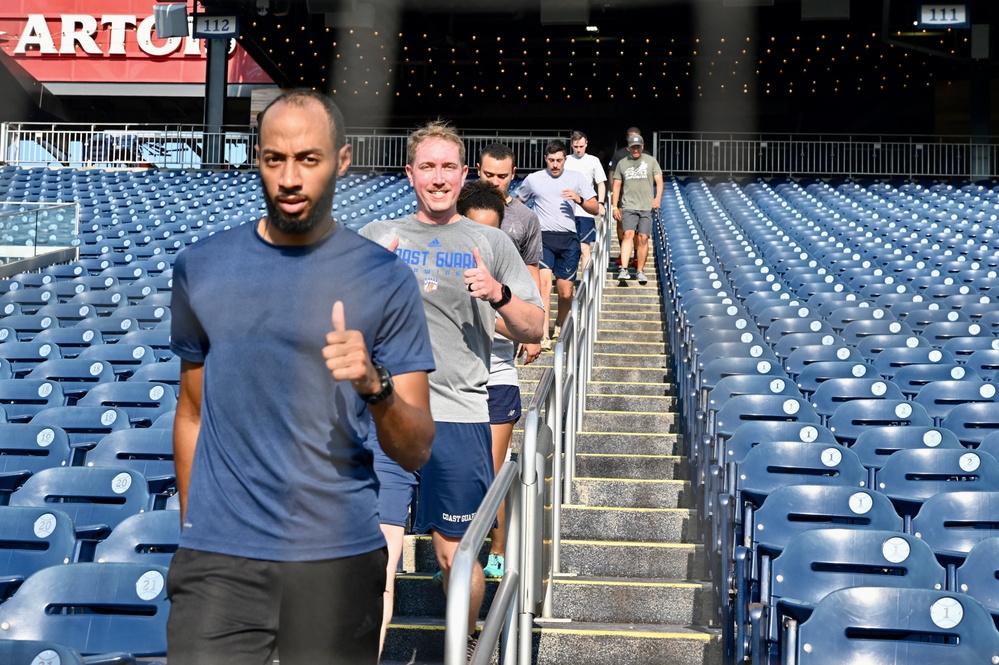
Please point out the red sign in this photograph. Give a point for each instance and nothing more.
(107, 41)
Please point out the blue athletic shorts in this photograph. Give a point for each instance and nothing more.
(560, 253)
(455, 479)
(396, 486)
(504, 404)
(586, 230)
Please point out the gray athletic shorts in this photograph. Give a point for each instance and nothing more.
(637, 220)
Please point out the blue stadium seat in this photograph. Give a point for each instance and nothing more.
(23, 398)
(940, 397)
(75, 375)
(972, 421)
(85, 425)
(954, 522)
(910, 477)
(896, 627)
(71, 341)
(123, 357)
(148, 451)
(38, 652)
(833, 393)
(25, 356)
(121, 607)
(912, 378)
(96, 498)
(144, 402)
(33, 538)
(851, 418)
(818, 562)
(150, 537)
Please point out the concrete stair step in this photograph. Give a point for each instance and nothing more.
(632, 600)
(631, 347)
(622, 388)
(644, 467)
(659, 525)
(630, 402)
(606, 336)
(642, 559)
(635, 421)
(624, 323)
(612, 359)
(634, 443)
(631, 493)
(559, 643)
(417, 595)
(608, 371)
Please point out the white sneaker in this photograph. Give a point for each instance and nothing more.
(642, 279)
(623, 275)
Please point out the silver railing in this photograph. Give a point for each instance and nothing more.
(794, 155)
(191, 146)
(534, 487)
(31, 230)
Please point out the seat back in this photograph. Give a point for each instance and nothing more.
(38, 652)
(93, 607)
(75, 375)
(896, 626)
(148, 451)
(940, 397)
(33, 538)
(875, 444)
(143, 402)
(978, 576)
(910, 477)
(89, 495)
(954, 522)
(150, 537)
(851, 418)
(23, 398)
(972, 421)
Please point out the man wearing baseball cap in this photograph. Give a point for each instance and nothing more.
(636, 191)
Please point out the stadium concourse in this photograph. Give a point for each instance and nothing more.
(831, 348)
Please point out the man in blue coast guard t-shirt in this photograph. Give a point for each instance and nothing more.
(289, 353)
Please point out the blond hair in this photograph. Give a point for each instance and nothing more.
(435, 129)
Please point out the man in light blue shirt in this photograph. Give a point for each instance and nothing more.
(555, 193)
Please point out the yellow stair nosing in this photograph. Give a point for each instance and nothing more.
(629, 480)
(605, 582)
(630, 543)
(701, 637)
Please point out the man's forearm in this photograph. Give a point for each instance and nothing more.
(403, 421)
(524, 321)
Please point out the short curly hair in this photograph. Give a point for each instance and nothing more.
(481, 195)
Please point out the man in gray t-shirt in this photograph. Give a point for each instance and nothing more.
(638, 182)
(467, 273)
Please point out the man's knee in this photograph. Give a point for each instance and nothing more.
(643, 239)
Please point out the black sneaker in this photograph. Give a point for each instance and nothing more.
(473, 642)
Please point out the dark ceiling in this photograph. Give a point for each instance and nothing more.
(680, 64)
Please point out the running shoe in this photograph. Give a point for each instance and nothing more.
(494, 567)
(642, 279)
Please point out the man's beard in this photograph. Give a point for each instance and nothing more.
(319, 212)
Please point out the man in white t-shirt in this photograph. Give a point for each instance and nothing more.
(593, 170)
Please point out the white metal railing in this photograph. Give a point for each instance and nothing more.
(28, 230)
(793, 155)
(533, 488)
(195, 147)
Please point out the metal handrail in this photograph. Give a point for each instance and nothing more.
(550, 423)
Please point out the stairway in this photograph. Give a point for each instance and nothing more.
(634, 589)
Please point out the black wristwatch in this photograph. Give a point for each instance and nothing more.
(505, 299)
(387, 387)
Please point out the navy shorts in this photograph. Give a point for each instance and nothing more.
(586, 229)
(560, 253)
(455, 479)
(504, 404)
(396, 486)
